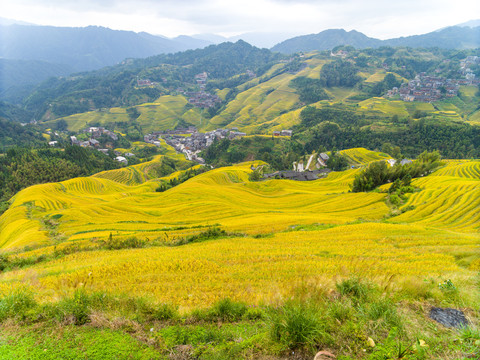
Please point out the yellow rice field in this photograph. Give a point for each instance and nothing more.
(288, 234)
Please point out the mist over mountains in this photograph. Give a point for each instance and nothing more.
(31, 53)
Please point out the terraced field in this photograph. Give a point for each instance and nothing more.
(165, 113)
(363, 156)
(450, 199)
(78, 122)
(343, 233)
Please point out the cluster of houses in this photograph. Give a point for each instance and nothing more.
(191, 145)
(465, 67)
(321, 162)
(340, 53)
(145, 83)
(94, 133)
(299, 176)
(92, 142)
(301, 172)
(426, 88)
(121, 157)
(201, 98)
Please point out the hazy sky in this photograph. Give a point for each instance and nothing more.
(377, 18)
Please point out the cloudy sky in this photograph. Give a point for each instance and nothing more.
(377, 18)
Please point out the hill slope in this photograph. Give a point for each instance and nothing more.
(344, 233)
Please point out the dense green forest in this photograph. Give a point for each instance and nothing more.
(14, 134)
(279, 153)
(14, 113)
(334, 127)
(339, 73)
(23, 167)
(310, 90)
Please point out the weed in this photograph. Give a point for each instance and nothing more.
(447, 286)
(355, 289)
(296, 325)
(165, 312)
(76, 308)
(393, 348)
(129, 243)
(17, 304)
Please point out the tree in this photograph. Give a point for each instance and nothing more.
(61, 125)
(337, 162)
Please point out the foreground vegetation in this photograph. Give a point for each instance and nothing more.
(352, 318)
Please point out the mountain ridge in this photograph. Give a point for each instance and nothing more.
(453, 37)
(85, 48)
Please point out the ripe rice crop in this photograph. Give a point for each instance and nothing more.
(295, 233)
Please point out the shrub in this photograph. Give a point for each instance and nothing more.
(165, 312)
(17, 304)
(341, 310)
(385, 309)
(228, 310)
(77, 307)
(254, 313)
(296, 325)
(129, 243)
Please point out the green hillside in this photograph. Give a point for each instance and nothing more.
(271, 100)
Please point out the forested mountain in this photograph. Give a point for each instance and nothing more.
(85, 48)
(18, 77)
(258, 91)
(454, 37)
(326, 40)
(117, 86)
(14, 134)
(14, 113)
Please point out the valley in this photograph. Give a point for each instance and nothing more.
(236, 202)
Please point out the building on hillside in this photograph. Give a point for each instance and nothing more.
(121, 159)
(298, 176)
(236, 134)
(144, 82)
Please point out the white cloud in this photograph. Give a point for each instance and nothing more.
(376, 18)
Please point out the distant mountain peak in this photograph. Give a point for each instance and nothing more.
(470, 23)
(465, 35)
(6, 22)
(326, 40)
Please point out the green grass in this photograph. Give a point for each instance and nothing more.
(71, 342)
(345, 320)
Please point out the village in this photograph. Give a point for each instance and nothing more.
(426, 88)
(193, 144)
